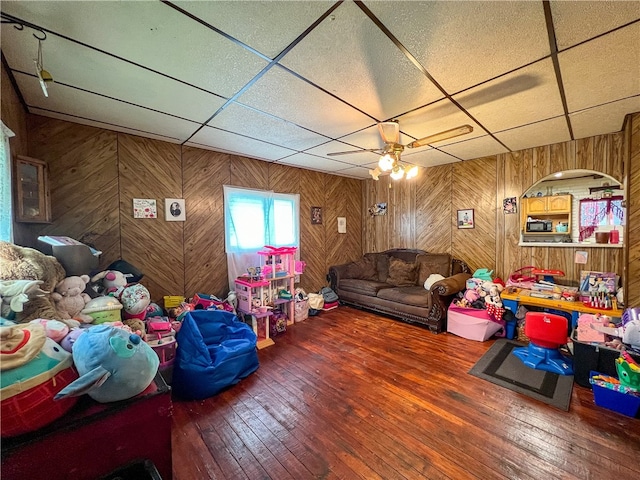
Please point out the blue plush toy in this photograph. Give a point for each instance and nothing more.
(113, 365)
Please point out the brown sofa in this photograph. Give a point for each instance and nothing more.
(392, 282)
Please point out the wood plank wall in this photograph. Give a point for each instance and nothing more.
(95, 174)
(633, 212)
(423, 214)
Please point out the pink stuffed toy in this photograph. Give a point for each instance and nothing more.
(135, 299)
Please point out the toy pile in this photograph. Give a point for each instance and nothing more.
(483, 292)
(58, 342)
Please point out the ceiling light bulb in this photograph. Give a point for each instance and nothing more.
(397, 173)
(375, 173)
(386, 162)
(412, 172)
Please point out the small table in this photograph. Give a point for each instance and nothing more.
(511, 301)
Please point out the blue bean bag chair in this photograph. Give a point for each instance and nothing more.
(215, 350)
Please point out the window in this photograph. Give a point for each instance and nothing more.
(602, 212)
(255, 218)
(6, 219)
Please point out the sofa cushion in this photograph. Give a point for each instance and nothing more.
(401, 273)
(433, 263)
(382, 264)
(365, 269)
(414, 295)
(363, 287)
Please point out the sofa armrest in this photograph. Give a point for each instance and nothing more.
(336, 272)
(450, 285)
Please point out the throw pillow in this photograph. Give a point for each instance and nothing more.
(433, 263)
(364, 269)
(401, 273)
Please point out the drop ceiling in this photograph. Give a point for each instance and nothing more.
(292, 81)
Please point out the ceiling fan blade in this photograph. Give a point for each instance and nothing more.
(349, 152)
(389, 131)
(438, 137)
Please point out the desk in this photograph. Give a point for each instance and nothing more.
(512, 301)
(94, 439)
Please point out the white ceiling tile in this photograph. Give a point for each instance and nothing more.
(369, 71)
(475, 148)
(238, 144)
(268, 27)
(78, 66)
(428, 158)
(577, 21)
(151, 34)
(252, 123)
(286, 96)
(538, 102)
(77, 103)
(312, 162)
(602, 70)
(97, 124)
(464, 43)
(436, 118)
(354, 172)
(352, 159)
(603, 119)
(542, 133)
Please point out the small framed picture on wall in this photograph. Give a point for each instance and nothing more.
(174, 210)
(465, 218)
(316, 215)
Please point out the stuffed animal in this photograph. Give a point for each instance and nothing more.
(70, 298)
(109, 281)
(22, 263)
(135, 299)
(15, 293)
(113, 365)
(53, 329)
(34, 368)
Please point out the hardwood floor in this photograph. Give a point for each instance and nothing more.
(349, 394)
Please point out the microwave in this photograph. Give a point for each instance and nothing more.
(540, 226)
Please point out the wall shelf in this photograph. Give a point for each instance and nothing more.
(570, 244)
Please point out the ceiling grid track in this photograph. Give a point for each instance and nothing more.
(420, 67)
(553, 45)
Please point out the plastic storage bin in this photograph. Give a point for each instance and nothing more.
(624, 403)
(589, 357)
(471, 323)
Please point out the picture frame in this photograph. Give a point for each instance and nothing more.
(174, 210)
(316, 215)
(144, 208)
(466, 218)
(510, 205)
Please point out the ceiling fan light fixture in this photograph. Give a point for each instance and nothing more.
(412, 172)
(386, 162)
(397, 173)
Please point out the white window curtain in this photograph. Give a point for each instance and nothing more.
(253, 219)
(6, 217)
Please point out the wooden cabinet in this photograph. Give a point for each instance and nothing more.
(31, 190)
(555, 208)
(554, 205)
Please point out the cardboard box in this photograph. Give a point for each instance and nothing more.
(75, 257)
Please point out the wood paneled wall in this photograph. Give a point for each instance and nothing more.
(95, 174)
(422, 214)
(633, 213)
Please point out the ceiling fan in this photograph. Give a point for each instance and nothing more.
(390, 153)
